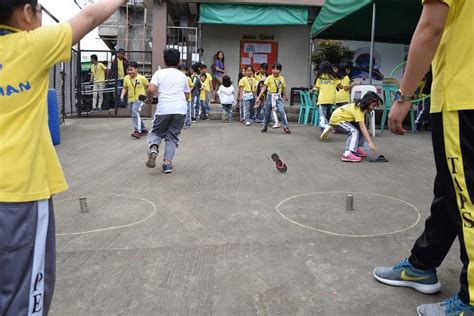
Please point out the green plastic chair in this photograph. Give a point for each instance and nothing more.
(314, 102)
(306, 107)
(389, 87)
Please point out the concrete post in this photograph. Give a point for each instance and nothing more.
(160, 18)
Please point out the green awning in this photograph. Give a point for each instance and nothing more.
(211, 13)
(395, 21)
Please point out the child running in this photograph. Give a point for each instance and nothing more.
(226, 96)
(326, 84)
(135, 84)
(173, 89)
(351, 118)
(275, 84)
(248, 86)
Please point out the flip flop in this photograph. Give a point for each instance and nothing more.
(279, 164)
(380, 158)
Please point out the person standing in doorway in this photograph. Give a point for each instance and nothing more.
(98, 78)
(218, 70)
(30, 170)
(444, 37)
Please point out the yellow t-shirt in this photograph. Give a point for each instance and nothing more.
(347, 113)
(29, 167)
(99, 72)
(191, 85)
(249, 84)
(343, 96)
(327, 89)
(259, 77)
(208, 82)
(120, 70)
(275, 84)
(453, 65)
(202, 95)
(135, 87)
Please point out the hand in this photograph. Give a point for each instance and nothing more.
(257, 103)
(372, 146)
(397, 114)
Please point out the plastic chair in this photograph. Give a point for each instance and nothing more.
(314, 102)
(358, 92)
(306, 107)
(389, 87)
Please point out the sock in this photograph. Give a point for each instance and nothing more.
(347, 152)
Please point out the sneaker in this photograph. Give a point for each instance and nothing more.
(248, 123)
(152, 154)
(194, 120)
(360, 153)
(144, 132)
(404, 274)
(350, 158)
(286, 130)
(136, 134)
(264, 129)
(452, 306)
(168, 168)
(325, 134)
(276, 125)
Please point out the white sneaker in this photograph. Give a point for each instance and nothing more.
(276, 125)
(248, 123)
(325, 134)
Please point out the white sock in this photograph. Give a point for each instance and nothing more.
(347, 152)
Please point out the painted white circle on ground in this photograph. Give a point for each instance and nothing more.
(373, 214)
(105, 213)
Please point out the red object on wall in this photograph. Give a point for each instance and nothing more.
(258, 52)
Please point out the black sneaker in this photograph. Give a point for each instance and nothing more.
(264, 129)
(168, 168)
(152, 154)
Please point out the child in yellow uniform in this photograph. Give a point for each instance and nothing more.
(276, 86)
(351, 118)
(202, 97)
(187, 121)
(209, 87)
(261, 74)
(135, 84)
(343, 95)
(247, 88)
(326, 84)
(98, 77)
(30, 171)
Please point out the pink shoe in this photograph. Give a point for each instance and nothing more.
(359, 152)
(350, 158)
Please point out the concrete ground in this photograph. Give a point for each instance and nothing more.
(226, 234)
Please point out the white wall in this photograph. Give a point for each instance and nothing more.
(293, 49)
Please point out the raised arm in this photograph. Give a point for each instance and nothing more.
(92, 16)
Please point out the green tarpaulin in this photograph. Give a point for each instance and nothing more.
(396, 20)
(210, 13)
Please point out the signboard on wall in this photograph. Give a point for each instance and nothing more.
(258, 52)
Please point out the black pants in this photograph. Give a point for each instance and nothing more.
(452, 211)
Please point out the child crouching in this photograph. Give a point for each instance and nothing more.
(226, 96)
(351, 118)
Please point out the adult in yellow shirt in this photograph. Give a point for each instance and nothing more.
(30, 172)
(135, 84)
(445, 38)
(98, 71)
(247, 88)
(275, 86)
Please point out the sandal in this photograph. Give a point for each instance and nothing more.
(380, 158)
